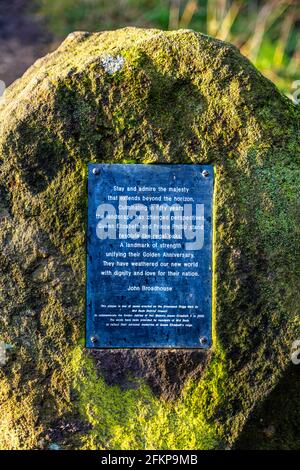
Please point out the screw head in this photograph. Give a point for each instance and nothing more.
(205, 173)
(203, 340)
(96, 171)
(94, 339)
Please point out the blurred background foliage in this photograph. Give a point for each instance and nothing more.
(267, 32)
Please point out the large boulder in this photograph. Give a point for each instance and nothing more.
(143, 96)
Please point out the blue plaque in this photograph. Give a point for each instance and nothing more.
(149, 256)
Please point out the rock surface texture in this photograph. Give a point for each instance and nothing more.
(144, 96)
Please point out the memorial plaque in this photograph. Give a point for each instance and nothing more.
(149, 256)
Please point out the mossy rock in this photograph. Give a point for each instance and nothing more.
(275, 423)
(144, 96)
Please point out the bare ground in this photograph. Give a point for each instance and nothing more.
(23, 39)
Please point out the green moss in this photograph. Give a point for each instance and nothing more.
(180, 97)
(135, 419)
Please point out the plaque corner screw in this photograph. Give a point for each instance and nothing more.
(205, 173)
(94, 339)
(96, 171)
(203, 340)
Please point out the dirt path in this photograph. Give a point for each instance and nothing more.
(23, 39)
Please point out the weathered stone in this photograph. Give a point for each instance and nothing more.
(143, 96)
(275, 423)
(165, 371)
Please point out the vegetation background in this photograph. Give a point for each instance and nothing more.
(267, 32)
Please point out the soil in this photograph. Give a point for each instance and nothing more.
(23, 39)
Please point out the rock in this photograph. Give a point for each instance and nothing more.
(275, 423)
(165, 371)
(144, 96)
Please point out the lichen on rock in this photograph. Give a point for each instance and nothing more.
(175, 97)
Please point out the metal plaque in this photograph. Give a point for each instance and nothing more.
(149, 256)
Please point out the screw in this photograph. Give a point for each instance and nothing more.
(203, 340)
(94, 339)
(205, 173)
(96, 171)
